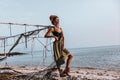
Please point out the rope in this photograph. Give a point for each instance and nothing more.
(14, 42)
(25, 35)
(25, 28)
(43, 44)
(43, 73)
(10, 30)
(47, 71)
(32, 48)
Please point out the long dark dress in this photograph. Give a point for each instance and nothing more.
(59, 54)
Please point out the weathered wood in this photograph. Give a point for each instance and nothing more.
(12, 53)
(11, 23)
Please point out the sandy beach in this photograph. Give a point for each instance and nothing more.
(37, 73)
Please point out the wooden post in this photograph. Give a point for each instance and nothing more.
(4, 47)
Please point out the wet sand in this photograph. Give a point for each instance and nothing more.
(37, 73)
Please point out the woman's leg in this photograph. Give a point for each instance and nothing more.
(61, 71)
(59, 68)
(69, 60)
(68, 64)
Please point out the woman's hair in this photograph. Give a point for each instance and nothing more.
(52, 18)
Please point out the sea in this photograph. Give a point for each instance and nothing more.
(102, 57)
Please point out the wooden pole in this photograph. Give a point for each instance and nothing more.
(23, 24)
(4, 47)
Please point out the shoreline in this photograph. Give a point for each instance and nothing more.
(22, 72)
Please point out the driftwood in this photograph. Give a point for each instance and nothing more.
(2, 57)
(12, 53)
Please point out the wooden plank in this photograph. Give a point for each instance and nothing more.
(11, 23)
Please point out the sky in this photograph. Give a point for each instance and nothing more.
(86, 23)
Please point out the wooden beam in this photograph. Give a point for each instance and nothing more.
(11, 23)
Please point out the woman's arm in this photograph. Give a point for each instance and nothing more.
(47, 35)
(62, 38)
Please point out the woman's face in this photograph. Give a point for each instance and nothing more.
(56, 21)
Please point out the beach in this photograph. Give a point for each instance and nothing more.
(98, 63)
(38, 73)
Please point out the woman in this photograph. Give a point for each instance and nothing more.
(60, 53)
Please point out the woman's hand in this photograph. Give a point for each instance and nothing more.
(56, 38)
(63, 48)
